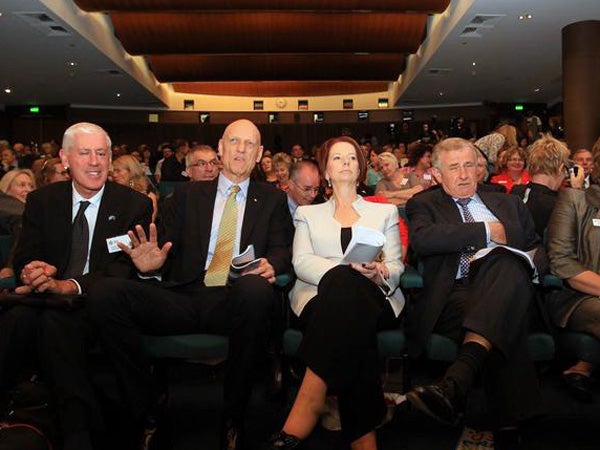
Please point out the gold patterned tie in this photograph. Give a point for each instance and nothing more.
(218, 270)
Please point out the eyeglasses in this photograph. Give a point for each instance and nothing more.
(201, 163)
(308, 189)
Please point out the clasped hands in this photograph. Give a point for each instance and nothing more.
(148, 257)
(38, 276)
(376, 271)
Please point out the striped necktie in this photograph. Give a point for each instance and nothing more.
(218, 270)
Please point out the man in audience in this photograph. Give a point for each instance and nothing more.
(483, 305)
(298, 153)
(583, 157)
(9, 161)
(202, 163)
(304, 186)
(64, 249)
(187, 291)
(173, 169)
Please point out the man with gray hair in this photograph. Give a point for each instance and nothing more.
(66, 246)
(481, 304)
(201, 163)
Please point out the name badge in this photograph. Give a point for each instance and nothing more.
(596, 222)
(112, 242)
(426, 176)
(404, 182)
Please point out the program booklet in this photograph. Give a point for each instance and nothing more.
(365, 245)
(245, 260)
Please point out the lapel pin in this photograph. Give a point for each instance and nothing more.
(111, 218)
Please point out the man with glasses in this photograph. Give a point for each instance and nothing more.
(202, 163)
(304, 186)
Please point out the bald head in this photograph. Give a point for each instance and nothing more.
(240, 150)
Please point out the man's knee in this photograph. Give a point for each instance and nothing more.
(253, 295)
(106, 297)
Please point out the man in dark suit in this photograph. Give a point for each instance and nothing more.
(187, 293)
(481, 305)
(64, 249)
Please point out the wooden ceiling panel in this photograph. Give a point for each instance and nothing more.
(162, 33)
(428, 6)
(179, 68)
(281, 88)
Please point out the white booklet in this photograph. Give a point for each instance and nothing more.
(527, 257)
(365, 245)
(243, 261)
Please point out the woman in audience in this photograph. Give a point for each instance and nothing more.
(15, 186)
(418, 168)
(341, 307)
(574, 251)
(266, 165)
(282, 163)
(18, 183)
(374, 169)
(127, 171)
(512, 169)
(503, 137)
(51, 171)
(394, 184)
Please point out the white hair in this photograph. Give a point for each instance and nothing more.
(82, 128)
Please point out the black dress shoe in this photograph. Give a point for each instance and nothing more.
(579, 386)
(441, 400)
(282, 441)
(231, 436)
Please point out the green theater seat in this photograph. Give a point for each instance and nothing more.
(578, 346)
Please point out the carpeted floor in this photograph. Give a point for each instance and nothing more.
(195, 405)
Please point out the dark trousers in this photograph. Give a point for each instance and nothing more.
(19, 328)
(66, 337)
(340, 345)
(122, 311)
(494, 303)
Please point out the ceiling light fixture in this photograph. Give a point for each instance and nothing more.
(8, 90)
(536, 90)
(71, 64)
(527, 16)
(474, 63)
(441, 93)
(118, 94)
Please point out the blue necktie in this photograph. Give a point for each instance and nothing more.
(465, 257)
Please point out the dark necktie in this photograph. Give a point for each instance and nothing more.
(465, 257)
(79, 243)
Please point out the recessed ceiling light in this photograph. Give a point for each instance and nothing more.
(118, 94)
(536, 90)
(474, 63)
(441, 93)
(526, 16)
(8, 90)
(71, 64)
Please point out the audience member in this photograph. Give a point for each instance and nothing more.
(202, 163)
(266, 165)
(503, 137)
(512, 169)
(483, 305)
(574, 251)
(305, 184)
(546, 161)
(127, 171)
(418, 168)
(340, 307)
(18, 183)
(51, 171)
(63, 250)
(394, 184)
(282, 163)
(298, 153)
(166, 152)
(9, 161)
(584, 159)
(173, 168)
(374, 169)
(187, 291)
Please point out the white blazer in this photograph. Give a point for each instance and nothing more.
(317, 247)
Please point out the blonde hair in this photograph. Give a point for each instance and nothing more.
(546, 155)
(282, 158)
(138, 179)
(8, 179)
(510, 134)
(389, 157)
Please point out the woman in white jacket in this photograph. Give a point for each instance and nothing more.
(341, 307)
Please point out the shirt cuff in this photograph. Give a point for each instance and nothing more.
(487, 233)
(79, 290)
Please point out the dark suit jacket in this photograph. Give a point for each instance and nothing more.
(47, 224)
(438, 235)
(266, 225)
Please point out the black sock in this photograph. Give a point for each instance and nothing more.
(467, 366)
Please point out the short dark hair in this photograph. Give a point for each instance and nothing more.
(323, 155)
(416, 152)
